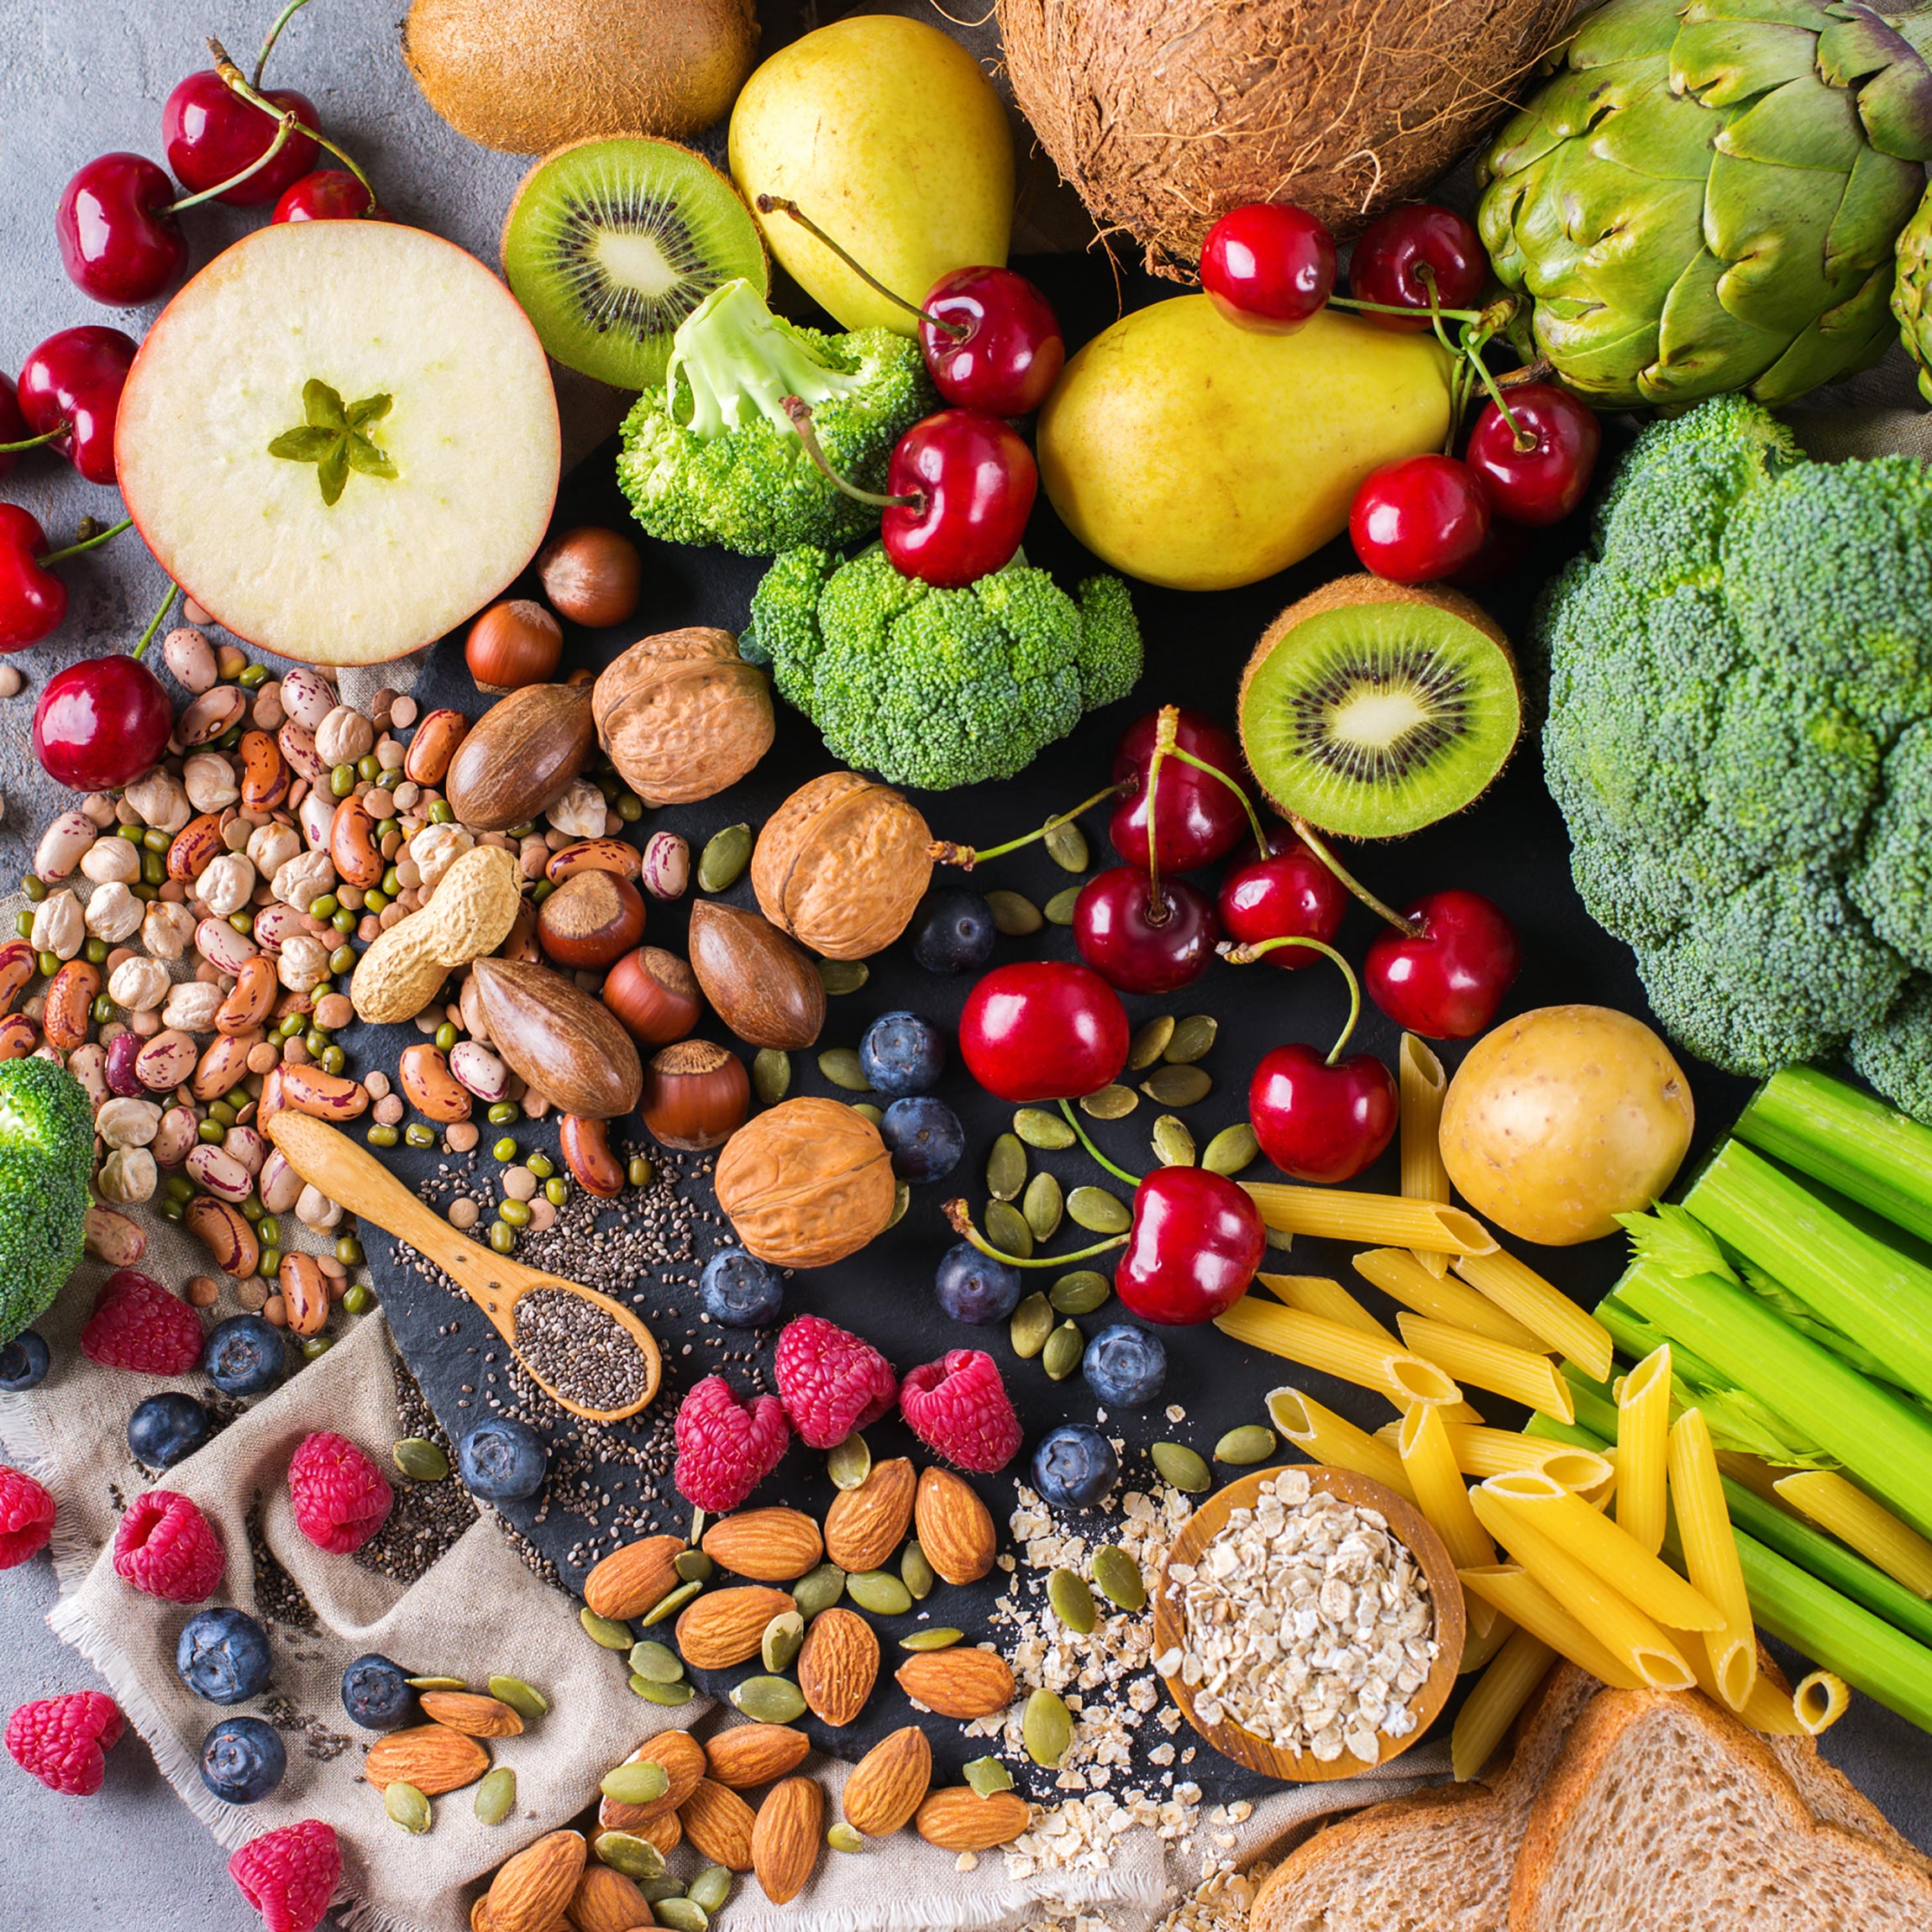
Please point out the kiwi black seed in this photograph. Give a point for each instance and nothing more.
(611, 243)
(1371, 709)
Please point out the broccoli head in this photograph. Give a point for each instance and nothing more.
(1739, 736)
(46, 1153)
(938, 688)
(712, 458)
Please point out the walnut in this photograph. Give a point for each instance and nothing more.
(683, 716)
(806, 1183)
(841, 865)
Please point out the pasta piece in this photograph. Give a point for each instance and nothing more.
(1710, 1555)
(1530, 1379)
(1518, 1290)
(1524, 1601)
(1865, 1524)
(1316, 1294)
(1478, 1650)
(1492, 1707)
(1441, 1496)
(1344, 1352)
(1422, 1083)
(1402, 1277)
(1769, 1707)
(1820, 1701)
(1375, 1220)
(1643, 1439)
(1328, 1437)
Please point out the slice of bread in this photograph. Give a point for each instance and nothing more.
(1666, 1814)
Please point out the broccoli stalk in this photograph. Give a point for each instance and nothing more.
(736, 358)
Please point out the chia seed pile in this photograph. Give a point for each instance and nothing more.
(578, 1350)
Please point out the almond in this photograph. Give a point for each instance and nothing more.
(784, 1839)
(433, 1757)
(864, 1526)
(683, 1758)
(719, 1824)
(838, 1666)
(959, 1682)
(750, 1755)
(606, 1901)
(888, 1783)
(723, 1627)
(665, 1833)
(955, 1528)
(529, 1893)
(767, 1545)
(959, 1819)
(634, 1579)
(472, 1714)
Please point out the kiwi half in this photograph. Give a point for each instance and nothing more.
(610, 245)
(1371, 709)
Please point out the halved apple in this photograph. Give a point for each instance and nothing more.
(340, 440)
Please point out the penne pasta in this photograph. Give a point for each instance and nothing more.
(1375, 1220)
(1478, 1651)
(1327, 1437)
(1441, 1497)
(1768, 1708)
(1492, 1706)
(1316, 1294)
(1643, 1439)
(1518, 1290)
(1515, 1372)
(1344, 1352)
(1527, 1604)
(1403, 1278)
(1820, 1700)
(1711, 1557)
(1421, 1084)
(1862, 1523)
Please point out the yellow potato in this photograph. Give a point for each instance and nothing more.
(1564, 1118)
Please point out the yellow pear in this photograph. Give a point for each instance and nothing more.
(1189, 452)
(887, 135)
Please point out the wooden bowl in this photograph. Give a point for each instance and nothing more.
(1407, 1523)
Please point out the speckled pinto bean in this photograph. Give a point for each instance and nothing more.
(275, 925)
(307, 696)
(220, 1172)
(69, 999)
(586, 1149)
(254, 996)
(118, 1070)
(353, 847)
(225, 949)
(178, 1133)
(327, 1096)
(117, 1239)
(296, 744)
(205, 718)
(433, 746)
(63, 845)
(429, 1086)
(17, 970)
(165, 1061)
(247, 1146)
(88, 1064)
(223, 1066)
(265, 775)
(593, 855)
(279, 1185)
(304, 1293)
(221, 1229)
(18, 1038)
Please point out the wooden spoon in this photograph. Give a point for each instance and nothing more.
(331, 1162)
(1405, 1522)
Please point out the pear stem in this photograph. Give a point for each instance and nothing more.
(777, 204)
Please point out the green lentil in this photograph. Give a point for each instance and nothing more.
(630, 807)
(504, 1149)
(502, 1237)
(348, 1252)
(441, 812)
(96, 951)
(313, 1346)
(419, 1134)
(325, 907)
(379, 1136)
(270, 1265)
(359, 1299)
(541, 1166)
(446, 1036)
(516, 1213)
(556, 1190)
(501, 1112)
(101, 1010)
(50, 964)
(34, 887)
(342, 780)
(637, 1171)
(253, 677)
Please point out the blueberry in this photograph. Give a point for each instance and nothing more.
(22, 1362)
(243, 1760)
(1074, 1465)
(924, 1138)
(502, 1461)
(953, 931)
(375, 1692)
(973, 1287)
(245, 1356)
(1124, 1366)
(738, 1289)
(165, 1429)
(222, 1656)
(901, 1054)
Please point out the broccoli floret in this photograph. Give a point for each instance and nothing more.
(712, 458)
(937, 687)
(46, 1152)
(1895, 1053)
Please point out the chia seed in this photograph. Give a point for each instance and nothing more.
(427, 1518)
(319, 1743)
(580, 1350)
(278, 1597)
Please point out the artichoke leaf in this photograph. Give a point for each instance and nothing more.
(1702, 346)
(1803, 124)
(1722, 62)
(1624, 30)
(1878, 201)
(1770, 226)
(1844, 340)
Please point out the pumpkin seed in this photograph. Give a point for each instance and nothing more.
(408, 1807)
(879, 1592)
(938, 1639)
(710, 1889)
(668, 1694)
(526, 1701)
(1244, 1447)
(1113, 1103)
(817, 1590)
(1033, 1323)
(1006, 1168)
(1174, 1145)
(1150, 1041)
(681, 1915)
(866, 1112)
(901, 1194)
(693, 1566)
(657, 1661)
(671, 1605)
(1081, 1292)
(1046, 1729)
(1059, 909)
(1007, 1230)
(1179, 1466)
(1065, 846)
(915, 1572)
(850, 1463)
(770, 1075)
(770, 1700)
(1043, 1206)
(1193, 1039)
(1280, 1238)
(842, 975)
(1038, 1128)
(726, 855)
(644, 1782)
(436, 1683)
(1014, 913)
(697, 1530)
(1062, 1355)
(1073, 1602)
(783, 1638)
(1231, 1149)
(657, 1890)
(841, 1066)
(1099, 1211)
(842, 1838)
(497, 1796)
(1178, 1086)
(601, 1630)
(419, 1460)
(624, 1851)
(1118, 1577)
(986, 1776)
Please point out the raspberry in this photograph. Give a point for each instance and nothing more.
(726, 1447)
(137, 1325)
(26, 1517)
(289, 1876)
(830, 1382)
(64, 1740)
(164, 1547)
(341, 1499)
(959, 1407)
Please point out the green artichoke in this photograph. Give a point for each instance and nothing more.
(1705, 198)
(1912, 293)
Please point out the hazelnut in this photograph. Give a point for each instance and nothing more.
(592, 577)
(590, 919)
(654, 994)
(513, 643)
(696, 1095)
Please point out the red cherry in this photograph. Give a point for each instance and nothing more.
(1545, 482)
(1290, 893)
(328, 195)
(101, 723)
(971, 482)
(119, 240)
(1043, 1030)
(1318, 1122)
(1192, 1250)
(1012, 351)
(1419, 519)
(33, 601)
(1269, 266)
(1384, 267)
(211, 133)
(1447, 982)
(1201, 819)
(13, 424)
(72, 382)
(1135, 948)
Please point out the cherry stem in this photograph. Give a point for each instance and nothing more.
(1309, 837)
(93, 543)
(1247, 804)
(155, 621)
(1247, 955)
(800, 412)
(283, 130)
(287, 14)
(239, 83)
(960, 1218)
(944, 852)
(1165, 729)
(777, 204)
(1080, 1134)
(1403, 308)
(59, 430)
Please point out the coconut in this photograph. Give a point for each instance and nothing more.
(529, 75)
(1166, 113)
